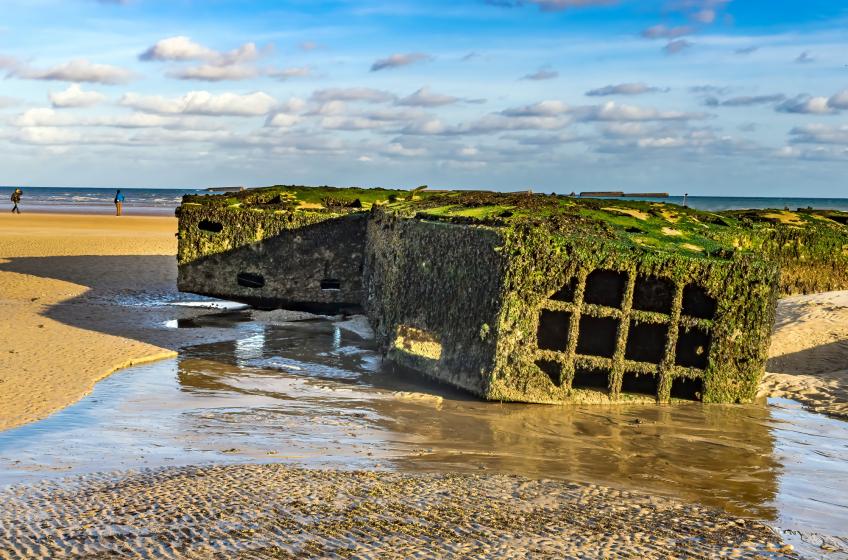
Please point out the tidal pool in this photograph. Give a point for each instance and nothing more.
(313, 394)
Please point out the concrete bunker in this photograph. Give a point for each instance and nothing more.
(512, 297)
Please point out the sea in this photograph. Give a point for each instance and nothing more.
(87, 200)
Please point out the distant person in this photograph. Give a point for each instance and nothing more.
(16, 198)
(119, 198)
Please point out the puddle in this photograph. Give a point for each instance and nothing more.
(313, 394)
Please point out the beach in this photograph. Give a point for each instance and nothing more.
(65, 284)
(84, 296)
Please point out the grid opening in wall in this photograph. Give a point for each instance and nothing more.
(686, 388)
(646, 342)
(697, 303)
(653, 294)
(589, 378)
(597, 336)
(552, 369)
(566, 293)
(553, 330)
(639, 383)
(693, 348)
(605, 287)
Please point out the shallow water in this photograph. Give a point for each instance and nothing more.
(313, 394)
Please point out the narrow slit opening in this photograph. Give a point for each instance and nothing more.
(330, 284)
(250, 280)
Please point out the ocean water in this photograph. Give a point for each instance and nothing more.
(163, 201)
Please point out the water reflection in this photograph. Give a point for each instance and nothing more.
(321, 396)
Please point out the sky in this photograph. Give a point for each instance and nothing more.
(706, 97)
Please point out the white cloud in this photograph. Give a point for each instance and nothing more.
(75, 97)
(368, 95)
(424, 98)
(79, 70)
(364, 158)
(820, 134)
(42, 117)
(134, 120)
(212, 73)
(839, 101)
(203, 103)
(397, 60)
(178, 48)
(283, 120)
(609, 111)
(807, 105)
(8, 102)
(623, 89)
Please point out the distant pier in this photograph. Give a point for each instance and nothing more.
(623, 194)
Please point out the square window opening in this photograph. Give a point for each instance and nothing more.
(553, 330)
(687, 388)
(552, 369)
(653, 294)
(693, 348)
(698, 303)
(639, 384)
(597, 336)
(605, 287)
(646, 342)
(589, 378)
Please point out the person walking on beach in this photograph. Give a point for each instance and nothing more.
(16, 198)
(119, 198)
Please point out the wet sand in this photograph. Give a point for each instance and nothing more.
(82, 296)
(271, 511)
(67, 284)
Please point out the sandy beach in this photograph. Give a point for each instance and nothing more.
(83, 296)
(61, 280)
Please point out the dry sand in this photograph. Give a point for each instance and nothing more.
(809, 353)
(75, 295)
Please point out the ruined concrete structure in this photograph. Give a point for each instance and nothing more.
(519, 297)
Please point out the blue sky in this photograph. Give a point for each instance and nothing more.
(738, 97)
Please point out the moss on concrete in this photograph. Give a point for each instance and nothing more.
(506, 285)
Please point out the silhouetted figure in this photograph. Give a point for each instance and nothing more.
(16, 198)
(119, 198)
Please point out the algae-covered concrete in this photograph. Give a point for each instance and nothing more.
(519, 297)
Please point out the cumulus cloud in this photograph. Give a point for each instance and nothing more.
(43, 117)
(397, 60)
(806, 104)
(839, 101)
(820, 134)
(75, 97)
(666, 32)
(220, 66)
(211, 73)
(541, 75)
(79, 70)
(369, 95)
(425, 98)
(623, 89)
(677, 46)
(182, 49)
(203, 103)
(609, 111)
(488, 125)
(375, 119)
(804, 58)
